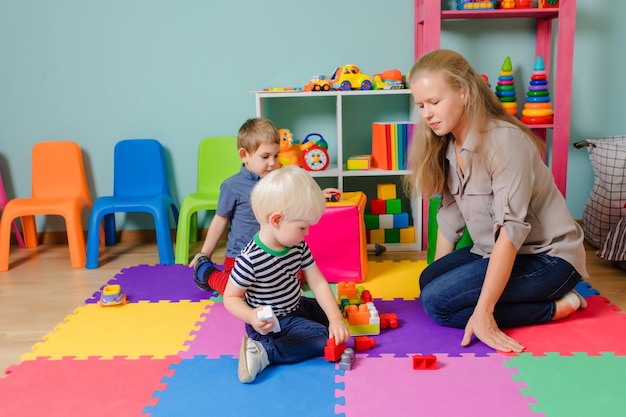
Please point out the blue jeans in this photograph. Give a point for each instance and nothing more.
(451, 285)
(303, 334)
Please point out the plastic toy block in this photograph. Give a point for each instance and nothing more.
(347, 359)
(362, 343)
(386, 221)
(332, 351)
(267, 314)
(407, 235)
(378, 206)
(394, 206)
(357, 315)
(392, 235)
(388, 321)
(424, 362)
(386, 191)
(359, 162)
(371, 221)
(366, 296)
(348, 290)
(377, 236)
(401, 221)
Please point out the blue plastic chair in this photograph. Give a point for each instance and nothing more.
(140, 184)
(217, 160)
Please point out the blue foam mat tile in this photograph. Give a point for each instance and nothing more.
(203, 386)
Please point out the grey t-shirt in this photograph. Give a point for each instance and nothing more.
(507, 184)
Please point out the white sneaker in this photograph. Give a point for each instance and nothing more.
(252, 360)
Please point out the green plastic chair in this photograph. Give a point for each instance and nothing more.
(217, 160)
(433, 227)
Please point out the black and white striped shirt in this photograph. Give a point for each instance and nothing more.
(270, 277)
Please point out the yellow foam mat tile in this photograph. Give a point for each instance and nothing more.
(394, 279)
(131, 330)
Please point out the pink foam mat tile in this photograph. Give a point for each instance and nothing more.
(219, 334)
(460, 386)
(601, 327)
(91, 387)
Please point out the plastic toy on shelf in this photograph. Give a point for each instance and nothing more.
(389, 80)
(537, 108)
(112, 295)
(350, 77)
(547, 3)
(505, 90)
(314, 154)
(318, 83)
(289, 151)
(474, 5)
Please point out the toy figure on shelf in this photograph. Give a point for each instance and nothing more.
(389, 80)
(474, 4)
(507, 4)
(548, 3)
(289, 153)
(523, 4)
(505, 90)
(314, 154)
(350, 77)
(537, 108)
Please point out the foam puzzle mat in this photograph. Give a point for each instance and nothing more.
(173, 351)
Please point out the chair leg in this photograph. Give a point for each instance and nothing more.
(182, 236)
(164, 237)
(29, 227)
(94, 233)
(75, 239)
(110, 237)
(18, 235)
(193, 228)
(5, 241)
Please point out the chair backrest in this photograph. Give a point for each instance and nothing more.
(139, 168)
(218, 159)
(58, 170)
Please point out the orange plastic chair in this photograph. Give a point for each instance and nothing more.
(3, 202)
(59, 187)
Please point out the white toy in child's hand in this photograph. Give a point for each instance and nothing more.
(267, 314)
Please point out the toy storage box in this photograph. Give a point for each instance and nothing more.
(337, 241)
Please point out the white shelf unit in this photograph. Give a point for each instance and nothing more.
(344, 119)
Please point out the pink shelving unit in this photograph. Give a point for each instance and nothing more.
(428, 17)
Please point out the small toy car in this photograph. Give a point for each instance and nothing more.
(112, 295)
(318, 83)
(350, 77)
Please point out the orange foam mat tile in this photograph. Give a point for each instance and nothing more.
(131, 330)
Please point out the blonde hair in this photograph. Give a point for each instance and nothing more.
(427, 155)
(291, 191)
(255, 132)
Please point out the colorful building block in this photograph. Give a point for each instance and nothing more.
(393, 206)
(378, 206)
(385, 221)
(376, 236)
(362, 343)
(340, 234)
(424, 362)
(371, 221)
(359, 162)
(407, 235)
(386, 191)
(388, 321)
(401, 221)
(347, 359)
(332, 351)
(392, 236)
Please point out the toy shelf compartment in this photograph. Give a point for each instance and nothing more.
(475, 5)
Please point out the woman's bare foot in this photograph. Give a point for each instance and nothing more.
(569, 303)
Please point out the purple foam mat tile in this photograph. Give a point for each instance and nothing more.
(460, 386)
(157, 283)
(417, 333)
(219, 334)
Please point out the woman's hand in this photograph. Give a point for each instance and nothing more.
(483, 325)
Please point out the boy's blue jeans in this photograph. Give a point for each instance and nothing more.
(303, 334)
(451, 285)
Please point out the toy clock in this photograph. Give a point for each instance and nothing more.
(314, 154)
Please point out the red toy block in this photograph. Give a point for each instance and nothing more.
(378, 206)
(424, 362)
(366, 296)
(388, 320)
(332, 351)
(362, 343)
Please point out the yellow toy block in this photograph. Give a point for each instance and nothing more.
(407, 235)
(377, 236)
(359, 162)
(386, 191)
